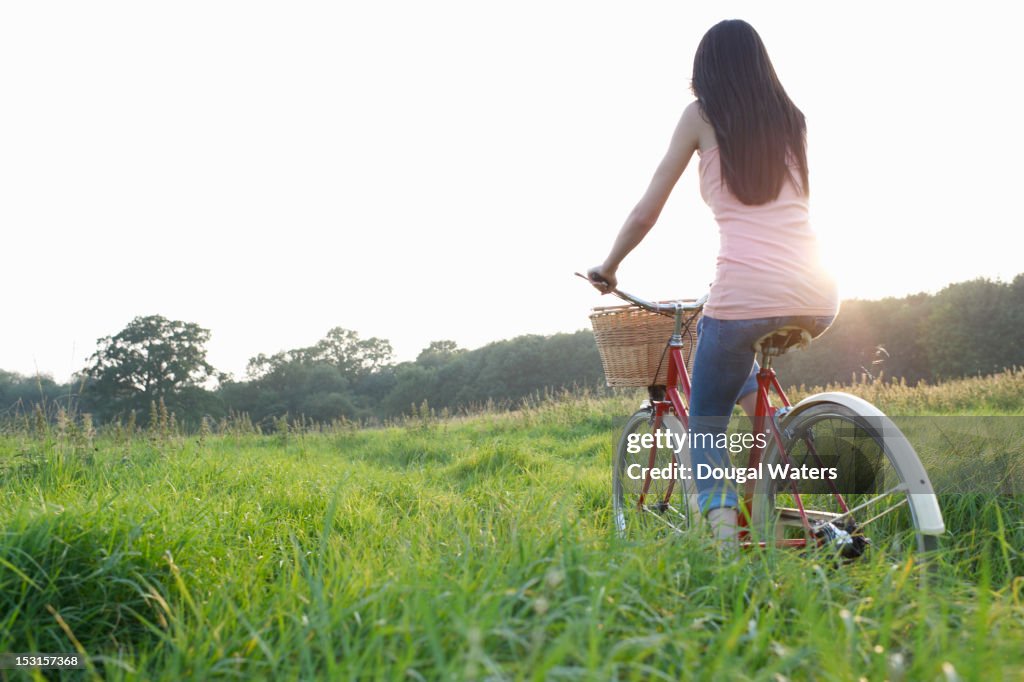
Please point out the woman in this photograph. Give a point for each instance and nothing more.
(753, 174)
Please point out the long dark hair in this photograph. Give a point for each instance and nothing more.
(756, 123)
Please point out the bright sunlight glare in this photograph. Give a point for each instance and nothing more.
(438, 171)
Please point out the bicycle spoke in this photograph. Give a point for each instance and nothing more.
(878, 516)
(662, 517)
(899, 488)
(678, 513)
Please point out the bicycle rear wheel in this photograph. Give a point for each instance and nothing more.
(876, 504)
(641, 502)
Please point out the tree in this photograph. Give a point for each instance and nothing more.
(341, 348)
(18, 394)
(341, 375)
(438, 353)
(971, 329)
(353, 356)
(150, 359)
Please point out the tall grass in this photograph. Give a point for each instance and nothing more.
(1000, 393)
(472, 548)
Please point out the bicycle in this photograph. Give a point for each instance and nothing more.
(884, 488)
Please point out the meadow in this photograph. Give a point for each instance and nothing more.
(470, 547)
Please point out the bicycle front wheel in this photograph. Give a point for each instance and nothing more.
(644, 500)
(880, 501)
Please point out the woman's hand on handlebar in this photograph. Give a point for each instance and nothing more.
(603, 278)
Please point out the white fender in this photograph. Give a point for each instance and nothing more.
(923, 504)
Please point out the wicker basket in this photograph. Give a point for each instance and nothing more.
(632, 342)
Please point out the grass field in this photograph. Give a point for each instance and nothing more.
(472, 548)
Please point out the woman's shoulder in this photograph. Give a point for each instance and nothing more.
(705, 132)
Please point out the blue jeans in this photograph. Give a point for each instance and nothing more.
(724, 370)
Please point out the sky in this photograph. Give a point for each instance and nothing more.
(422, 171)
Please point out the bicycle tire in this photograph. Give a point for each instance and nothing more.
(669, 505)
(873, 455)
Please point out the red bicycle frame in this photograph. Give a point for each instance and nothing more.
(765, 420)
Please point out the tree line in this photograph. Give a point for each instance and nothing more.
(968, 328)
(974, 327)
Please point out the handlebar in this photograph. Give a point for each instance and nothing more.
(670, 307)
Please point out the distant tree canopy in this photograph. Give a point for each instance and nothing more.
(504, 371)
(341, 349)
(339, 376)
(345, 376)
(151, 359)
(438, 353)
(967, 328)
(974, 327)
(20, 393)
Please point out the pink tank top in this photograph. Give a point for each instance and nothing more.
(768, 264)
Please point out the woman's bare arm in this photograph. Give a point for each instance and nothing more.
(645, 214)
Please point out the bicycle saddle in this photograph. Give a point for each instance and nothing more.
(782, 339)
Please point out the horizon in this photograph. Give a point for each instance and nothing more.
(270, 173)
(397, 360)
